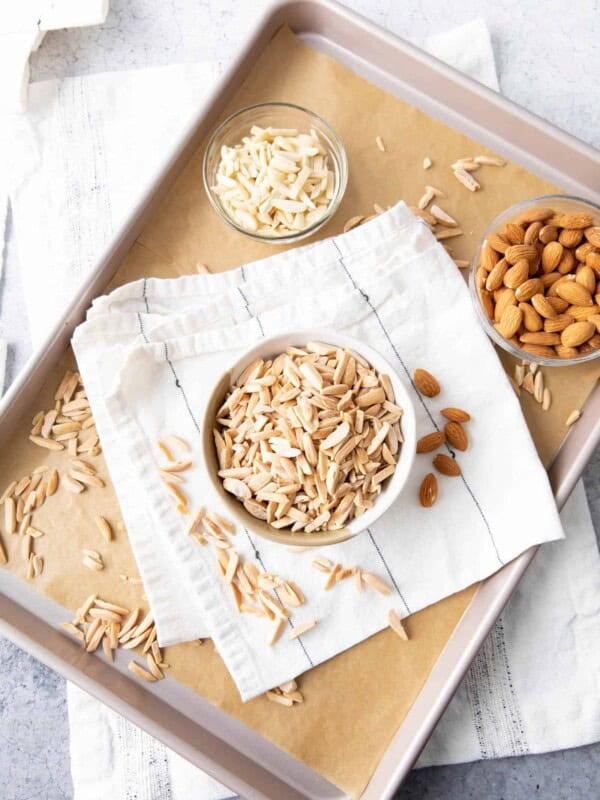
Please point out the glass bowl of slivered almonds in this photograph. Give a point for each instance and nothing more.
(308, 438)
(275, 172)
(535, 280)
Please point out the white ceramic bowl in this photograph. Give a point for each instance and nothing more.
(267, 349)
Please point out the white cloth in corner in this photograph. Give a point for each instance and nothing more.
(555, 609)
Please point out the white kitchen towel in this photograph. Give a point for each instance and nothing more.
(149, 354)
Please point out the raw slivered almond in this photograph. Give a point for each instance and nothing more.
(104, 527)
(425, 199)
(396, 624)
(573, 417)
(448, 233)
(490, 161)
(302, 628)
(10, 515)
(176, 466)
(456, 435)
(87, 480)
(73, 630)
(426, 383)
(72, 484)
(353, 222)
(430, 442)
(277, 697)
(446, 465)
(92, 563)
(442, 217)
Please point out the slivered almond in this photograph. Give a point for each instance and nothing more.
(49, 444)
(396, 624)
(376, 583)
(302, 628)
(140, 672)
(104, 527)
(443, 217)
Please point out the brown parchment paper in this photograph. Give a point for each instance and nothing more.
(356, 701)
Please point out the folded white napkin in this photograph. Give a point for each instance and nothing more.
(149, 355)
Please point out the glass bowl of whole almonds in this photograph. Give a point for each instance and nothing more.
(535, 280)
(275, 172)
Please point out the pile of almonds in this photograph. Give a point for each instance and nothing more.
(538, 283)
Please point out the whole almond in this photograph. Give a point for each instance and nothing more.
(514, 233)
(542, 306)
(510, 321)
(558, 304)
(456, 435)
(528, 288)
(574, 293)
(489, 257)
(498, 242)
(541, 350)
(504, 300)
(517, 275)
(593, 235)
(587, 278)
(567, 263)
(566, 352)
(446, 465)
(549, 279)
(583, 249)
(426, 383)
(595, 319)
(576, 219)
(480, 278)
(455, 414)
(535, 215)
(549, 233)
(496, 276)
(429, 490)
(592, 259)
(531, 319)
(580, 313)
(532, 233)
(487, 304)
(591, 344)
(570, 237)
(577, 333)
(558, 323)
(516, 252)
(430, 442)
(540, 337)
(551, 256)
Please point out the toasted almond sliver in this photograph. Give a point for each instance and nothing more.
(396, 624)
(376, 583)
(49, 444)
(302, 628)
(73, 630)
(275, 697)
(104, 527)
(140, 672)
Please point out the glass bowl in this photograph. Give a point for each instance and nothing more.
(561, 204)
(276, 115)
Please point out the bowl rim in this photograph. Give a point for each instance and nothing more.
(332, 208)
(489, 328)
(393, 487)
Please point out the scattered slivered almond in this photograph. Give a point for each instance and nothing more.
(573, 417)
(104, 527)
(380, 144)
(376, 583)
(302, 628)
(427, 162)
(467, 180)
(307, 440)
(140, 672)
(443, 217)
(448, 233)
(396, 625)
(353, 222)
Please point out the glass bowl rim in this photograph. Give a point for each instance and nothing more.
(488, 326)
(342, 173)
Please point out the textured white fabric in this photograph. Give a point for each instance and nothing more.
(149, 354)
(455, 739)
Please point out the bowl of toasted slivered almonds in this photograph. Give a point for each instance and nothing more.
(275, 172)
(535, 280)
(308, 438)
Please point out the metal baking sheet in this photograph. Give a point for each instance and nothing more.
(190, 725)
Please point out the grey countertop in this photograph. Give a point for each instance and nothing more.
(548, 59)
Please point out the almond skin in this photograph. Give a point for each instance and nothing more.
(575, 335)
(430, 442)
(456, 435)
(446, 465)
(426, 383)
(455, 414)
(429, 490)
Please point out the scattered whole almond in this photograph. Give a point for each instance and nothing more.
(430, 442)
(446, 465)
(456, 435)
(538, 280)
(429, 490)
(426, 383)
